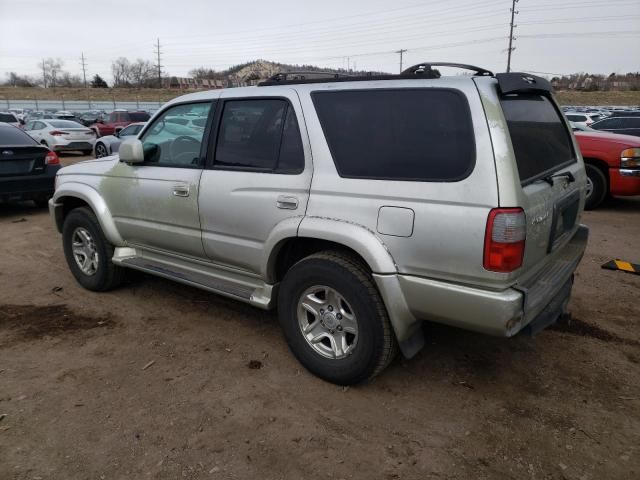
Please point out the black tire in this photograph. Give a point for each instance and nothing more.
(101, 150)
(376, 345)
(107, 275)
(599, 188)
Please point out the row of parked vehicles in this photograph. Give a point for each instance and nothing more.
(342, 204)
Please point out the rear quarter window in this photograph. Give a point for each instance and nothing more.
(398, 134)
(541, 141)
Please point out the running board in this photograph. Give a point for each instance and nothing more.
(206, 276)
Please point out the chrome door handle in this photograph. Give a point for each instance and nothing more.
(286, 202)
(181, 190)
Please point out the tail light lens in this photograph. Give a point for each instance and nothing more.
(504, 239)
(56, 133)
(51, 159)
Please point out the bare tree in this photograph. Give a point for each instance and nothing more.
(142, 73)
(52, 70)
(121, 72)
(16, 80)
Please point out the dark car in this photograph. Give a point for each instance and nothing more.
(622, 125)
(27, 169)
(625, 113)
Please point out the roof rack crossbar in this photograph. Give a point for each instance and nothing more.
(426, 69)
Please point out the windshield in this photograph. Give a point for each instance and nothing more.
(541, 142)
(7, 117)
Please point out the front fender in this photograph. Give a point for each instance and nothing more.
(96, 203)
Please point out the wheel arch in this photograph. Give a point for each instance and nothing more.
(73, 195)
(601, 165)
(315, 234)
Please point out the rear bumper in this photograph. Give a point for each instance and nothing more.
(26, 187)
(503, 313)
(624, 181)
(73, 146)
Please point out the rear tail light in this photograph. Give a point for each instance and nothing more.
(51, 159)
(504, 239)
(57, 133)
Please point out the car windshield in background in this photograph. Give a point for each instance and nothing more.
(12, 136)
(139, 116)
(65, 124)
(5, 117)
(540, 140)
(403, 134)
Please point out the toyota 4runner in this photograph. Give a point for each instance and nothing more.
(358, 206)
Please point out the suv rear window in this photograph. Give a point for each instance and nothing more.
(541, 142)
(399, 134)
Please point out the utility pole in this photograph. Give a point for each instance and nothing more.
(401, 51)
(159, 65)
(84, 69)
(511, 39)
(44, 75)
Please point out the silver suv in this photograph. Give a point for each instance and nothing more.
(357, 206)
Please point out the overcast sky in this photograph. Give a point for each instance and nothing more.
(553, 36)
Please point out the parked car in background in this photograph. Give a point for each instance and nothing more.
(613, 165)
(451, 199)
(27, 169)
(117, 120)
(10, 118)
(91, 117)
(110, 144)
(61, 135)
(621, 125)
(585, 119)
(625, 113)
(64, 115)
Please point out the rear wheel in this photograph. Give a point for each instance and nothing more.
(88, 252)
(334, 319)
(596, 187)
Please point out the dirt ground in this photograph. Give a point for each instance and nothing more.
(158, 380)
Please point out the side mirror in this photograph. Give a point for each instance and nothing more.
(131, 151)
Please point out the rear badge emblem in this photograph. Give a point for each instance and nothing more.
(7, 152)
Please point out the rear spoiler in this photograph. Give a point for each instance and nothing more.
(518, 82)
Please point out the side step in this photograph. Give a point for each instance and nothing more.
(226, 282)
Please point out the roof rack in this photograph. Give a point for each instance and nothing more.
(426, 69)
(421, 70)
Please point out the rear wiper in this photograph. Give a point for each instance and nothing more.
(550, 178)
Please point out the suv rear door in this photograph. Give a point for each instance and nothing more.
(547, 179)
(258, 175)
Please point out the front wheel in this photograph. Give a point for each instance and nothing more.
(101, 150)
(334, 319)
(88, 252)
(596, 187)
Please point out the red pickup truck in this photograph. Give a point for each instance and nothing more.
(117, 120)
(613, 165)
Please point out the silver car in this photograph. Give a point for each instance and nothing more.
(110, 144)
(358, 207)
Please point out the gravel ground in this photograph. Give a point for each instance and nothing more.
(158, 380)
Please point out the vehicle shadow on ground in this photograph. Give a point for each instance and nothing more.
(19, 210)
(620, 204)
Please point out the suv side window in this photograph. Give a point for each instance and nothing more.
(170, 144)
(260, 135)
(409, 134)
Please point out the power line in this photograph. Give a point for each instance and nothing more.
(511, 27)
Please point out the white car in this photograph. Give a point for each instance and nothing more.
(581, 118)
(61, 135)
(10, 118)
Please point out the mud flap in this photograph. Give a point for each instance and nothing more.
(556, 309)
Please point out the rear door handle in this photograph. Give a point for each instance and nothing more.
(287, 203)
(181, 190)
